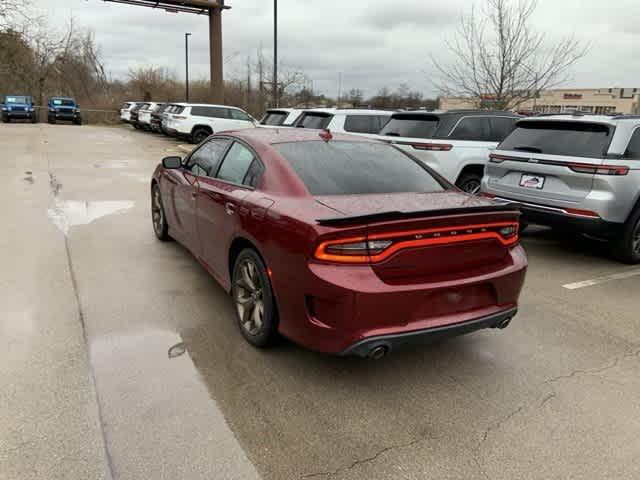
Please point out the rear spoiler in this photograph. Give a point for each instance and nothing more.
(398, 215)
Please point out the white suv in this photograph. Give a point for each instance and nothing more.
(455, 143)
(125, 111)
(144, 115)
(348, 120)
(195, 122)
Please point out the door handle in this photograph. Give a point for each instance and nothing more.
(230, 208)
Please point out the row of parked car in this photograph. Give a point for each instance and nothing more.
(576, 172)
(21, 107)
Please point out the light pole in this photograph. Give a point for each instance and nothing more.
(186, 61)
(275, 53)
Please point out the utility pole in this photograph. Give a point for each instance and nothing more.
(186, 59)
(275, 53)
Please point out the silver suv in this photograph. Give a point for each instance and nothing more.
(578, 172)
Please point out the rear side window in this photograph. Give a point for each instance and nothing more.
(239, 115)
(633, 150)
(274, 118)
(471, 128)
(365, 123)
(415, 126)
(314, 120)
(211, 112)
(351, 168)
(236, 164)
(500, 127)
(574, 139)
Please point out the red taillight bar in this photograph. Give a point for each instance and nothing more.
(616, 170)
(417, 238)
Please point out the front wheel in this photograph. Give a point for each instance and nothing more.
(626, 247)
(470, 183)
(77, 121)
(253, 298)
(6, 119)
(160, 225)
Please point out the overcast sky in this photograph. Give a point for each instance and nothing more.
(374, 43)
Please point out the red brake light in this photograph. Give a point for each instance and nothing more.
(378, 247)
(434, 147)
(487, 195)
(616, 170)
(582, 213)
(179, 117)
(326, 135)
(494, 158)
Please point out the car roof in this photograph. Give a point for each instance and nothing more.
(585, 118)
(287, 135)
(465, 113)
(207, 105)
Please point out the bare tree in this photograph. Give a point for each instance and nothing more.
(500, 61)
(13, 12)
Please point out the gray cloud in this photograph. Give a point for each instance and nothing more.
(373, 43)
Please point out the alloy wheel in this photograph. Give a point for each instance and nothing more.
(157, 212)
(472, 187)
(249, 297)
(635, 239)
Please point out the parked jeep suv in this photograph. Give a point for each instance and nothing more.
(18, 107)
(578, 172)
(455, 143)
(195, 122)
(64, 108)
(344, 120)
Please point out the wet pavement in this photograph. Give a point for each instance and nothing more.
(122, 359)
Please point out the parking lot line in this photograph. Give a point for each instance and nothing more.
(604, 279)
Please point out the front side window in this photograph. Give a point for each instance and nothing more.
(471, 128)
(410, 125)
(352, 168)
(574, 139)
(365, 123)
(633, 150)
(236, 164)
(205, 160)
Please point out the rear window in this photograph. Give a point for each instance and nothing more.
(574, 139)
(177, 109)
(314, 120)
(365, 123)
(415, 126)
(274, 118)
(351, 168)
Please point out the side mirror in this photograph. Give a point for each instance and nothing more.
(172, 162)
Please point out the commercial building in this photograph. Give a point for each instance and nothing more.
(592, 100)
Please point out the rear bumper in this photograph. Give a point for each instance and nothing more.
(394, 341)
(558, 218)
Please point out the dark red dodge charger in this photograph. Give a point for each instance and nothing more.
(343, 244)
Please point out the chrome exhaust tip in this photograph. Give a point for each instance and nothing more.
(376, 353)
(504, 323)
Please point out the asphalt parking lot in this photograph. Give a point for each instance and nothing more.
(122, 360)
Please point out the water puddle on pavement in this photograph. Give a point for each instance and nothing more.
(69, 213)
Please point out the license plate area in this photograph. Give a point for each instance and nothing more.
(532, 181)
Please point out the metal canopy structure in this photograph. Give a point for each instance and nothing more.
(212, 8)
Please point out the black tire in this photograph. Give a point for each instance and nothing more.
(523, 226)
(470, 183)
(199, 135)
(136, 126)
(34, 119)
(158, 217)
(6, 119)
(626, 247)
(77, 121)
(253, 299)
(51, 120)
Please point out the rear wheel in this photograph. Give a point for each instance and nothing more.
(626, 247)
(199, 135)
(160, 226)
(470, 183)
(51, 119)
(253, 298)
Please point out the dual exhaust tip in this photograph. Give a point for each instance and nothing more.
(381, 350)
